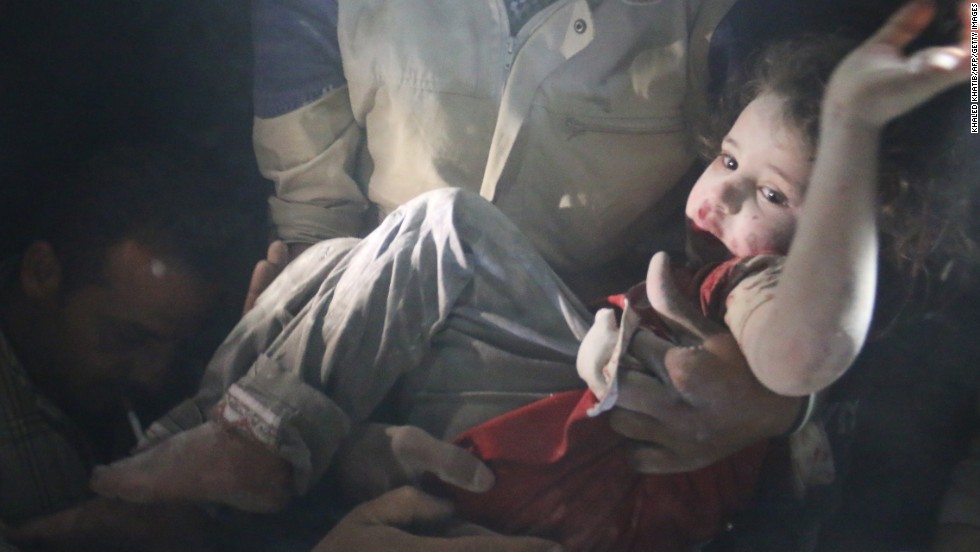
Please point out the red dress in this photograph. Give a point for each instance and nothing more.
(563, 475)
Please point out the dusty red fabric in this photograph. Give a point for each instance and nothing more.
(565, 476)
(717, 281)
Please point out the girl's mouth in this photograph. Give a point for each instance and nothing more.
(703, 246)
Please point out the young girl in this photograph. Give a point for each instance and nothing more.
(795, 217)
(444, 317)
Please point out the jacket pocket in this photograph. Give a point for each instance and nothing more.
(576, 125)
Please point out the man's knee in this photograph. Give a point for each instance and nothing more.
(464, 207)
(455, 197)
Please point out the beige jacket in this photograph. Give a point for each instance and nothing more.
(575, 128)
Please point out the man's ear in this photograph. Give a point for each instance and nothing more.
(40, 271)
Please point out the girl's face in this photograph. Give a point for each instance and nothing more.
(750, 195)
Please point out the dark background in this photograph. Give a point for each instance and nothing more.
(80, 76)
(75, 76)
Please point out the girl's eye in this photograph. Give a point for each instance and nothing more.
(728, 161)
(773, 196)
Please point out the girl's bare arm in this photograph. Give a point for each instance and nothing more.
(810, 333)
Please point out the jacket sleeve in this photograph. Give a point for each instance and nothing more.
(304, 133)
(254, 392)
(372, 318)
(445, 297)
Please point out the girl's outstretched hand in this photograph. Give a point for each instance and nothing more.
(877, 82)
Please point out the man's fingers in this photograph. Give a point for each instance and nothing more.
(278, 254)
(126, 479)
(494, 544)
(683, 363)
(207, 463)
(386, 522)
(266, 270)
(461, 469)
(420, 452)
(403, 507)
(674, 307)
(905, 24)
(649, 458)
(638, 426)
(641, 392)
(407, 506)
(652, 447)
(164, 472)
(263, 275)
(683, 360)
(650, 350)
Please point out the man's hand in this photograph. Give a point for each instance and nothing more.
(276, 258)
(207, 463)
(265, 271)
(689, 406)
(710, 407)
(387, 523)
(376, 458)
(111, 525)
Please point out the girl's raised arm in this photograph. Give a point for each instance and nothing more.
(811, 331)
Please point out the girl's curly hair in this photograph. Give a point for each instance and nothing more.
(927, 254)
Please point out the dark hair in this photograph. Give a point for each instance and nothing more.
(922, 213)
(164, 197)
(796, 71)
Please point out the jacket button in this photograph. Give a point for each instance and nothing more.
(580, 25)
